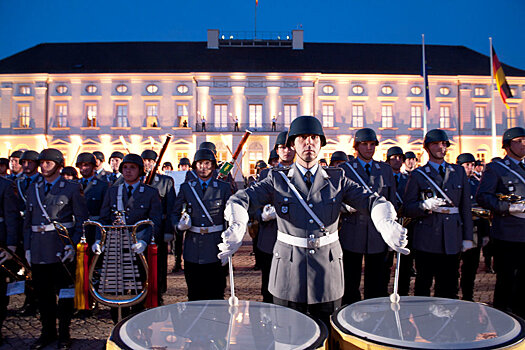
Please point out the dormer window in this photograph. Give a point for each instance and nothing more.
(152, 89)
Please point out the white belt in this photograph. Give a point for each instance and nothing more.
(50, 227)
(207, 229)
(446, 210)
(311, 242)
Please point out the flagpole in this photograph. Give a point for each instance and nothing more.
(492, 107)
(424, 88)
(255, 27)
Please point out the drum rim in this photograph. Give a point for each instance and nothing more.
(518, 337)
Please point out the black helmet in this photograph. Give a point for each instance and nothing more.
(184, 161)
(393, 151)
(410, 155)
(322, 160)
(204, 154)
(99, 155)
(273, 155)
(338, 156)
(305, 125)
(117, 154)
(465, 158)
(86, 158)
(261, 164)
(16, 154)
(30, 155)
(478, 163)
(149, 154)
(512, 133)
(135, 159)
(4, 161)
(69, 170)
(53, 155)
(281, 139)
(208, 145)
(350, 157)
(436, 135)
(364, 135)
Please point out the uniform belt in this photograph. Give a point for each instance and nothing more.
(312, 242)
(446, 210)
(50, 227)
(207, 229)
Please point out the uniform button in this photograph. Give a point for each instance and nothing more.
(311, 205)
(277, 254)
(311, 221)
(446, 189)
(311, 251)
(202, 225)
(446, 218)
(203, 215)
(44, 206)
(286, 199)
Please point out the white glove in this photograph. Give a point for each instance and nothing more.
(96, 248)
(268, 213)
(485, 240)
(28, 257)
(433, 203)
(517, 208)
(238, 218)
(467, 245)
(168, 237)
(345, 208)
(5, 255)
(384, 218)
(184, 222)
(139, 247)
(12, 248)
(69, 253)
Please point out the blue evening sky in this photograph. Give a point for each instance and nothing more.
(25, 23)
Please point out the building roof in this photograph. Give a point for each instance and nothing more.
(185, 57)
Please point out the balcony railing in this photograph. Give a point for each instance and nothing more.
(230, 127)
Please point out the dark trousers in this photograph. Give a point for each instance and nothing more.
(321, 311)
(469, 268)
(205, 281)
(177, 249)
(509, 265)
(4, 300)
(441, 267)
(162, 267)
(376, 283)
(265, 263)
(48, 279)
(203, 126)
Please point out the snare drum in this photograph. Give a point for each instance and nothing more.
(424, 323)
(213, 324)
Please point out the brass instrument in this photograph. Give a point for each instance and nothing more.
(511, 198)
(481, 213)
(16, 268)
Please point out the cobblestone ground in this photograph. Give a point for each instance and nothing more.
(91, 332)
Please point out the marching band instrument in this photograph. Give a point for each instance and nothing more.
(153, 172)
(481, 213)
(511, 198)
(15, 267)
(228, 166)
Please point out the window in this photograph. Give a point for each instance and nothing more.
(183, 89)
(255, 153)
(24, 90)
(221, 116)
(91, 115)
(328, 89)
(61, 115)
(415, 90)
(121, 116)
(481, 156)
(152, 88)
(387, 116)
(91, 89)
(328, 116)
(61, 89)
(179, 155)
(415, 116)
(479, 91)
(358, 116)
(255, 116)
(480, 117)
(444, 117)
(386, 90)
(357, 89)
(24, 116)
(121, 88)
(513, 92)
(512, 113)
(444, 91)
(290, 113)
(152, 113)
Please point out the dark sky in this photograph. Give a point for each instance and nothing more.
(25, 23)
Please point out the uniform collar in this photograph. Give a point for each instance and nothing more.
(303, 170)
(54, 182)
(436, 165)
(363, 163)
(135, 185)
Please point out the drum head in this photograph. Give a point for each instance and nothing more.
(429, 323)
(212, 324)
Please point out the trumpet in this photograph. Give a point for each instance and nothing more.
(481, 213)
(511, 198)
(17, 269)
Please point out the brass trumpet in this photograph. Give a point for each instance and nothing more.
(17, 269)
(481, 213)
(511, 198)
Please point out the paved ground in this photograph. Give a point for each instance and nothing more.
(91, 332)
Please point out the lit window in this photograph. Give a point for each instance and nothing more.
(122, 115)
(415, 116)
(183, 89)
(61, 115)
(121, 88)
(415, 90)
(512, 113)
(24, 90)
(387, 116)
(255, 115)
(387, 90)
(328, 89)
(182, 114)
(221, 115)
(91, 115)
(357, 89)
(513, 92)
(152, 89)
(444, 91)
(91, 89)
(479, 91)
(328, 116)
(152, 113)
(24, 116)
(61, 89)
(290, 113)
(480, 117)
(358, 116)
(444, 117)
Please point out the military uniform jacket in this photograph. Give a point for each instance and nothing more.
(497, 179)
(144, 204)
(358, 233)
(9, 213)
(202, 248)
(22, 186)
(164, 184)
(436, 232)
(267, 229)
(191, 175)
(102, 175)
(94, 193)
(400, 188)
(64, 203)
(300, 274)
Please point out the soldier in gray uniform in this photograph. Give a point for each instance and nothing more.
(359, 236)
(14, 165)
(410, 161)
(164, 184)
(273, 158)
(338, 157)
(114, 162)
(507, 177)
(199, 211)
(437, 198)
(100, 172)
(54, 200)
(307, 266)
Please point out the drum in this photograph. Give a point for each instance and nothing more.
(424, 323)
(213, 324)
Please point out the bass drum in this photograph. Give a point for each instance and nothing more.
(213, 324)
(424, 323)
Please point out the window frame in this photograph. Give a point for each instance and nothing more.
(255, 115)
(445, 118)
(328, 112)
(358, 115)
(387, 119)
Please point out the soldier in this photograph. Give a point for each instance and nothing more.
(323, 162)
(100, 172)
(199, 211)
(14, 165)
(507, 177)
(54, 200)
(410, 161)
(338, 157)
(4, 165)
(307, 266)
(273, 159)
(69, 173)
(140, 202)
(114, 162)
(167, 166)
(437, 197)
(478, 169)
(359, 236)
(184, 164)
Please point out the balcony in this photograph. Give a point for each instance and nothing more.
(230, 127)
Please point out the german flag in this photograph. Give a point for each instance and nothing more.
(501, 81)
